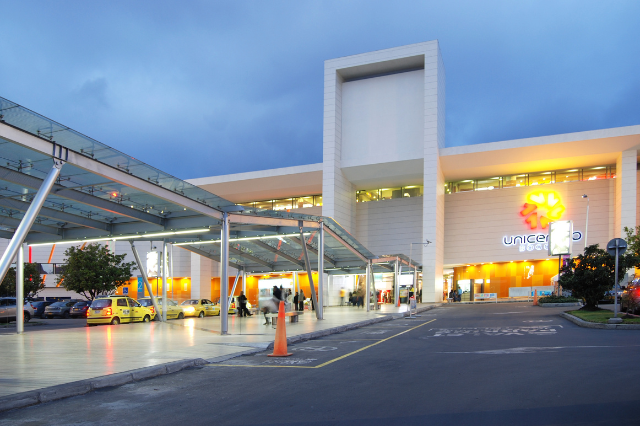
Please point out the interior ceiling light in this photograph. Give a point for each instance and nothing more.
(125, 237)
(231, 240)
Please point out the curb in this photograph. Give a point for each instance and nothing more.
(586, 324)
(557, 305)
(353, 326)
(53, 393)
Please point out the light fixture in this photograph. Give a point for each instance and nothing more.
(231, 240)
(125, 237)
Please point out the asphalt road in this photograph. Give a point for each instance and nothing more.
(505, 364)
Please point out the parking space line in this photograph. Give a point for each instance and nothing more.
(324, 364)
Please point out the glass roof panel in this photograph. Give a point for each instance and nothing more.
(41, 126)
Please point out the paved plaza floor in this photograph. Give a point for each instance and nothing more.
(44, 356)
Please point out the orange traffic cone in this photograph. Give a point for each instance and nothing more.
(280, 344)
(535, 298)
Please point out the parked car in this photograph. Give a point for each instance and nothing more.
(39, 307)
(200, 308)
(8, 307)
(174, 311)
(118, 309)
(60, 309)
(80, 309)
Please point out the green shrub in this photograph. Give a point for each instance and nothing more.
(557, 299)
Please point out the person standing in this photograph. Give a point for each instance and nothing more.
(301, 300)
(295, 302)
(342, 294)
(242, 305)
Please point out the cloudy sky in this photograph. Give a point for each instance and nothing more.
(201, 88)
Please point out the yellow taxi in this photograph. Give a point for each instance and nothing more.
(199, 308)
(118, 309)
(174, 311)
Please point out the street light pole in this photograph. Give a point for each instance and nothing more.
(586, 228)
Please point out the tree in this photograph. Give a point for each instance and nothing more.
(32, 281)
(94, 270)
(590, 275)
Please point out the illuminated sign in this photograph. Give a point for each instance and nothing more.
(533, 242)
(541, 208)
(560, 237)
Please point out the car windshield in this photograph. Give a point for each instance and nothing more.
(101, 303)
(190, 302)
(58, 304)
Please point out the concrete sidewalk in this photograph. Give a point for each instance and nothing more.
(42, 358)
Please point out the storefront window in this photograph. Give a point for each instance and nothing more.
(594, 173)
(250, 205)
(514, 181)
(412, 191)
(541, 178)
(317, 200)
(388, 193)
(302, 202)
(284, 204)
(531, 179)
(462, 186)
(366, 196)
(264, 205)
(570, 175)
(488, 184)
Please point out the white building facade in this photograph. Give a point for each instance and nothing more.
(389, 179)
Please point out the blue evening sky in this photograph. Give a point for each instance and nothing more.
(201, 88)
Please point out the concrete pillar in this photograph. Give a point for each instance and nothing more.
(626, 192)
(433, 198)
(200, 277)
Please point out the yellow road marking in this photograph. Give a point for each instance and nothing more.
(324, 363)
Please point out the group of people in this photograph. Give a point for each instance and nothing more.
(278, 294)
(356, 298)
(455, 296)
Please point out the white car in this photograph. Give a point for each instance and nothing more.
(8, 307)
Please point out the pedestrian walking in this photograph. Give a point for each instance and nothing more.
(242, 305)
(342, 294)
(301, 300)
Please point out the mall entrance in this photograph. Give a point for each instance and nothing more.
(514, 279)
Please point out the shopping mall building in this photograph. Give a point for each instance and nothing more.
(475, 216)
(388, 177)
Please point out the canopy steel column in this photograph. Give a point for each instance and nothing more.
(146, 280)
(244, 282)
(376, 306)
(29, 218)
(396, 283)
(224, 275)
(171, 270)
(368, 285)
(233, 289)
(164, 279)
(20, 291)
(314, 300)
(320, 307)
